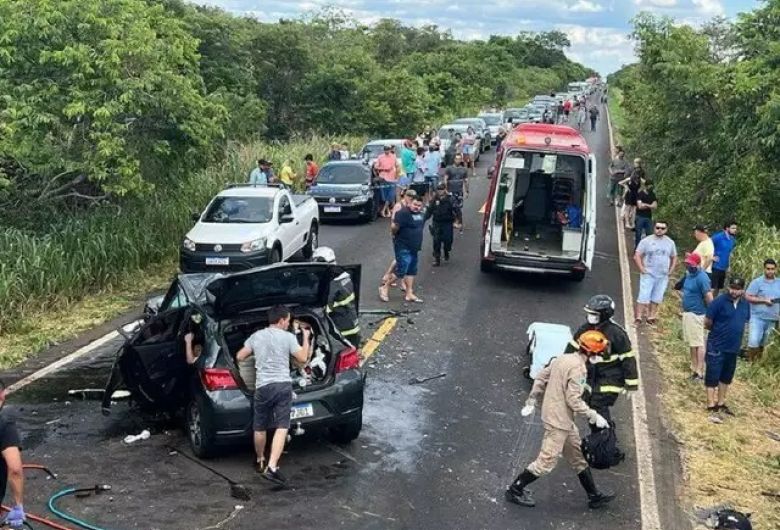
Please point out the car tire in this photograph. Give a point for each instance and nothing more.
(485, 266)
(578, 276)
(312, 242)
(371, 211)
(275, 256)
(347, 432)
(200, 429)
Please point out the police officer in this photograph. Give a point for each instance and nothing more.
(615, 371)
(443, 212)
(11, 471)
(341, 303)
(561, 383)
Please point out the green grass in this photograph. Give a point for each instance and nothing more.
(49, 271)
(617, 114)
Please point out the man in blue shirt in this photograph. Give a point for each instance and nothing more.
(763, 293)
(407, 229)
(726, 319)
(724, 242)
(696, 295)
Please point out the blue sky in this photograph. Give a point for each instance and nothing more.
(598, 29)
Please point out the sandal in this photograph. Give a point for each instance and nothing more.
(637, 321)
(414, 300)
(652, 321)
(383, 294)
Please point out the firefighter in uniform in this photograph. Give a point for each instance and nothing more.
(614, 372)
(562, 384)
(444, 213)
(341, 302)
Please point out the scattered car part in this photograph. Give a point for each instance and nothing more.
(419, 380)
(237, 491)
(132, 438)
(79, 492)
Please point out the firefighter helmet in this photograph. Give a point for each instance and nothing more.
(593, 342)
(324, 254)
(602, 305)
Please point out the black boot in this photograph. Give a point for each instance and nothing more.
(596, 499)
(517, 493)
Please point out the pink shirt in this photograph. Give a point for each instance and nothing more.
(385, 166)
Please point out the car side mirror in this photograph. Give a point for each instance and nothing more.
(286, 218)
(195, 216)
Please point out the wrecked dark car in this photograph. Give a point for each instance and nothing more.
(215, 393)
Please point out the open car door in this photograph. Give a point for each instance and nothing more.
(151, 364)
(590, 213)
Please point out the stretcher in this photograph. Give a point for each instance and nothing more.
(545, 342)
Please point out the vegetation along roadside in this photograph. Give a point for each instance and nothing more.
(697, 108)
(107, 145)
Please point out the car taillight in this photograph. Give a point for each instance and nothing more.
(349, 359)
(218, 379)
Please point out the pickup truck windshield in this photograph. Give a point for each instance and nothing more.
(492, 119)
(342, 174)
(240, 210)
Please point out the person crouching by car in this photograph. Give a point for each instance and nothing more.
(11, 470)
(341, 300)
(442, 211)
(273, 347)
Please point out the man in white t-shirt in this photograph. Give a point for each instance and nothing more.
(272, 347)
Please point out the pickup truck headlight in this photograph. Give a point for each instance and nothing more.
(188, 244)
(253, 246)
(359, 199)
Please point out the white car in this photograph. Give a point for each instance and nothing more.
(247, 226)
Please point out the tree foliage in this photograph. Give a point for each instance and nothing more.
(105, 98)
(703, 110)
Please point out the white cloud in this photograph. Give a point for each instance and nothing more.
(601, 48)
(656, 3)
(709, 8)
(585, 6)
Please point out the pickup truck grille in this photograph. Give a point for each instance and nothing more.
(339, 200)
(209, 247)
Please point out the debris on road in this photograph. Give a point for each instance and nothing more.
(237, 491)
(229, 518)
(132, 438)
(420, 380)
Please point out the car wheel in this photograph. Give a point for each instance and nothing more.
(275, 256)
(200, 430)
(346, 432)
(311, 244)
(578, 276)
(371, 212)
(485, 266)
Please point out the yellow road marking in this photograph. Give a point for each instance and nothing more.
(376, 339)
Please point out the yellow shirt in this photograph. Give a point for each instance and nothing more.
(706, 250)
(287, 176)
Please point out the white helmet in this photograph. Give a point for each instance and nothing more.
(324, 254)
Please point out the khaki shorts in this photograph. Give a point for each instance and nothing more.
(693, 329)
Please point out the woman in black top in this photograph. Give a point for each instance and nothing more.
(631, 184)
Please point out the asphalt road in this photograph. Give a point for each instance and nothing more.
(436, 455)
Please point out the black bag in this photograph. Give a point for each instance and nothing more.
(733, 520)
(600, 448)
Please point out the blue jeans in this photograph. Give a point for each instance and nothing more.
(759, 330)
(644, 227)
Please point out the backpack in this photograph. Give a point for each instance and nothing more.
(733, 520)
(600, 448)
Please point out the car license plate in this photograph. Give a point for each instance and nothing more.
(332, 209)
(302, 411)
(217, 261)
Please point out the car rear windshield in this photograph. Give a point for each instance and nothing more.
(342, 174)
(445, 134)
(240, 210)
(492, 119)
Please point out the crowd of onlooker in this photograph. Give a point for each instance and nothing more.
(713, 323)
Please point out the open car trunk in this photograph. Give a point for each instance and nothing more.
(540, 206)
(315, 374)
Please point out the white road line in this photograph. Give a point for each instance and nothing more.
(648, 496)
(56, 365)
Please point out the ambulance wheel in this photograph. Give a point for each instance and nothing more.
(578, 276)
(527, 372)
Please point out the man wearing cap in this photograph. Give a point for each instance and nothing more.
(456, 181)
(763, 294)
(696, 295)
(259, 176)
(726, 318)
(386, 168)
(442, 211)
(705, 249)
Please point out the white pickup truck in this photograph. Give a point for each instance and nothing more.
(247, 226)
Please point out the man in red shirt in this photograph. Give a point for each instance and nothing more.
(311, 171)
(566, 110)
(387, 170)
